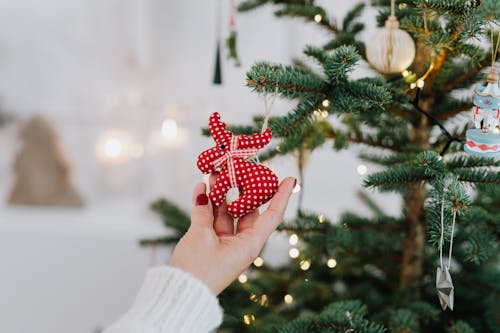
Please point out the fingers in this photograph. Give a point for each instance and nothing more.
(269, 220)
(201, 213)
(247, 221)
(223, 223)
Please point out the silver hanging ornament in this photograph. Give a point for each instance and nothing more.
(444, 283)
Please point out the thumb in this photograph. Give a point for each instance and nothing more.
(202, 213)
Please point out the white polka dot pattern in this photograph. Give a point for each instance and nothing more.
(256, 182)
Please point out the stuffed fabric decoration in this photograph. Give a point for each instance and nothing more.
(247, 185)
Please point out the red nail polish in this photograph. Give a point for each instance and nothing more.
(201, 200)
(294, 182)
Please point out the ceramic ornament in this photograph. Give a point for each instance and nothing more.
(484, 139)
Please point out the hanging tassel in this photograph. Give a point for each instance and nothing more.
(218, 69)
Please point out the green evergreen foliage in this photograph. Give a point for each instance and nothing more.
(372, 286)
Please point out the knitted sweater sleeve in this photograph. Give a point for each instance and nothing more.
(170, 300)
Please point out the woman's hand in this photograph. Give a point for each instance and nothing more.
(212, 252)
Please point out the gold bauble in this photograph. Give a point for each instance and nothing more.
(391, 50)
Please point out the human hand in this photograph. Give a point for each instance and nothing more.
(212, 252)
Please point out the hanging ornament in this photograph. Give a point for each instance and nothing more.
(231, 41)
(484, 139)
(391, 50)
(218, 67)
(244, 184)
(444, 283)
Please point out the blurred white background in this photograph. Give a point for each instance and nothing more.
(97, 68)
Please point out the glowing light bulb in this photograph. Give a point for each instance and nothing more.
(413, 85)
(296, 189)
(361, 169)
(113, 148)
(420, 83)
(317, 113)
(325, 103)
(318, 18)
(321, 219)
(331, 263)
(242, 278)
(288, 299)
(258, 262)
(248, 318)
(293, 240)
(305, 264)
(405, 73)
(294, 253)
(324, 114)
(169, 129)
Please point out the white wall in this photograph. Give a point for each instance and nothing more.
(94, 65)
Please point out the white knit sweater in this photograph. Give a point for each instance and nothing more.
(170, 300)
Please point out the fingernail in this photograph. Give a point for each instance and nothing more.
(201, 200)
(294, 182)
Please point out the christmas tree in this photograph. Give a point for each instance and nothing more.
(413, 123)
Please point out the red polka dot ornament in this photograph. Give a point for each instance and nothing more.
(245, 185)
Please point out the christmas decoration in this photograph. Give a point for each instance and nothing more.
(246, 185)
(484, 139)
(42, 173)
(231, 41)
(391, 50)
(444, 284)
(218, 67)
(376, 266)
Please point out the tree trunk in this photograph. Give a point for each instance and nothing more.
(414, 241)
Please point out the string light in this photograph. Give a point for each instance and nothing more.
(331, 263)
(305, 264)
(242, 278)
(293, 240)
(278, 148)
(324, 114)
(258, 262)
(248, 318)
(263, 300)
(318, 18)
(317, 113)
(169, 129)
(288, 299)
(325, 103)
(296, 189)
(405, 73)
(294, 253)
(321, 218)
(420, 83)
(361, 169)
(413, 85)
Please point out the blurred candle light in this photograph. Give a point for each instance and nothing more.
(169, 129)
(113, 147)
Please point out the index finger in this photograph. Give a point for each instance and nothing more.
(269, 220)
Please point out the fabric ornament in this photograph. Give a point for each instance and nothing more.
(245, 185)
(391, 50)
